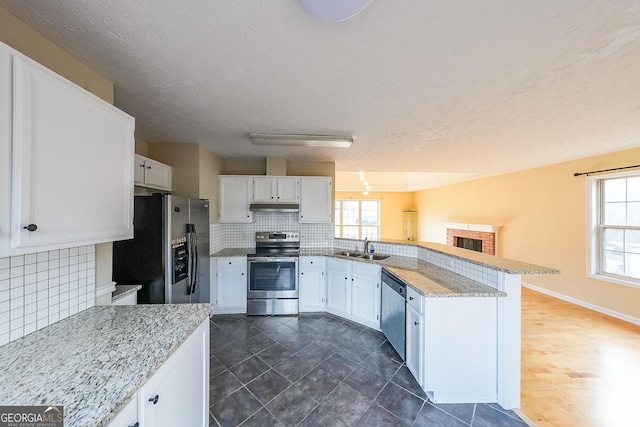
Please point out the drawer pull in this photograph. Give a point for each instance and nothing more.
(410, 298)
(154, 399)
(135, 425)
(31, 227)
(415, 323)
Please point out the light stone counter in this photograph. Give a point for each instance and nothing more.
(122, 291)
(94, 361)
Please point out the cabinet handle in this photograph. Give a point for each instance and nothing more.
(415, 323)
(154, 399)
(141, 165)
(242, 274)
(311, 262)
(135, 425)
(410, 298)
(148, 167)
(301, 273)
(229, 262)
(31, 227)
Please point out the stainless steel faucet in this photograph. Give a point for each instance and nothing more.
(366, 245)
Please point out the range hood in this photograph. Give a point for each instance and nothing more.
(274, 207)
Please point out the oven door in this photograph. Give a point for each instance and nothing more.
(272, 277)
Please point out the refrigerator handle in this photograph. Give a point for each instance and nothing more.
(193, 251)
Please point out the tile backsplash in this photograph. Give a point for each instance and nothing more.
(41, 288)
(243, 235)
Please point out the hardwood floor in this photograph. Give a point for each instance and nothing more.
(579, 367)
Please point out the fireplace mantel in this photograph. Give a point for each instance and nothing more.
(486, 232)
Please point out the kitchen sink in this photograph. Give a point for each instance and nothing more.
(375, 257)
(350, 254)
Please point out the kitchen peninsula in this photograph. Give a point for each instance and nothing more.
(464, 301)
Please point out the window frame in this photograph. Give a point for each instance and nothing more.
(360, 225)
(595, 231)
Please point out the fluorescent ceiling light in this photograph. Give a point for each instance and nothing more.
(329, 141)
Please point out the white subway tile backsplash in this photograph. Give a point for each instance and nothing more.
(30, 289)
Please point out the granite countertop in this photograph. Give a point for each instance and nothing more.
(123, 291)
(94, 361)
(490, 261)
(430, 280)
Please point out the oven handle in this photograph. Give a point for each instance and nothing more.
(271, 259)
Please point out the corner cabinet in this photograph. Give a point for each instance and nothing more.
(66, 162)
(235, 195)
(316, 195)
(229, 290)
(152, 174)
(353, 291)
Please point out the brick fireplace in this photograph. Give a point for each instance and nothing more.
(488, 234)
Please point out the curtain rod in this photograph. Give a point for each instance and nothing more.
(606, 170)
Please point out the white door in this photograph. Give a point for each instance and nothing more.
(232, 286)
(311, 289)
(235, 193)
(414, 342)
(72, 162)
(365, 306)
(264, 189)
(315, 199)
(157, 175)
(288, 189)
(338, 291)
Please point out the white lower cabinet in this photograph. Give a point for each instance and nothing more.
(353, 291)
(311, 284)
(365, 294)
(229, 285)
(339, 287)
(178, 392)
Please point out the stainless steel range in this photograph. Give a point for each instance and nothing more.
(272, 287)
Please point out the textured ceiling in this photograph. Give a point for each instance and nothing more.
(456, 87)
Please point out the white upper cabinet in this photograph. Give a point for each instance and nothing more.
(272, 189)
(152, 174)
(67, 161)
(316, 199)
(235, 195)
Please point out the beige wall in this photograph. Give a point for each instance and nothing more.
(184, 161)
(245, 166)
(211, 165)
(391, 207)
(194, 170)
(31, 43)
(543, 213)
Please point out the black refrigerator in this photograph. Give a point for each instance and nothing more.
(169, 252)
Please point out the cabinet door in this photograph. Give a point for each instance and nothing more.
(138, 170)
(315, 199)
(264, 189)
(235, 194)
(414, 342)
(339, 287)
(178, 393)
(288, 189)
(365, 307)
(157, 175)
(231, 285)
(72, 168)
(312, 289)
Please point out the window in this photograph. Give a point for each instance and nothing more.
(357, 219)
(615, 220)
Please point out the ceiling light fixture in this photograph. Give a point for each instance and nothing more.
(328, 141)
(334, 10)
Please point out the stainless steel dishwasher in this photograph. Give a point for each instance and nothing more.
(392, 312)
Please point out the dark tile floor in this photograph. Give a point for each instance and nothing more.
(321, 370)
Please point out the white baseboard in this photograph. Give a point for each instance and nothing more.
(617, 315)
